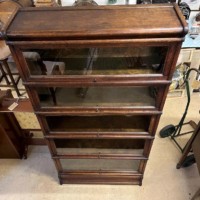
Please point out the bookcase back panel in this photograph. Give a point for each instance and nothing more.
(99, 146)
(109, 123)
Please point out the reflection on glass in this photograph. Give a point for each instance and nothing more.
(99, 164)
(106, 123)
(96, 61)
(91, 96)
(100, 146)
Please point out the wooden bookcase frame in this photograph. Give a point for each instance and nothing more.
(101, 32)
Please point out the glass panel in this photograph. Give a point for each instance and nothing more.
(99, 146)
(98, 123)
(98, 96)
(96, 61)
(99, 164)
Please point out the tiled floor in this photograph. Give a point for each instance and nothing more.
(36, 177)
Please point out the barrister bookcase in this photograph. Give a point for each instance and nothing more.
(97, 78)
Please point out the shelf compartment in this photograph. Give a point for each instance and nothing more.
(99, 165)
(97, 124)
(96, 61)
(99, 147)
(98, 97)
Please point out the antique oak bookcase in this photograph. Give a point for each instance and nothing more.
(97, 78)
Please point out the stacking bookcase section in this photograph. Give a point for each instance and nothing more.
(99, 97)
(97, 61)
(97, 83)
(111, 123)
(98, 147)
(100, 156)
(110, 126)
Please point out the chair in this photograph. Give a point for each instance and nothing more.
(5, 68)
(3, 76)
(7, 8)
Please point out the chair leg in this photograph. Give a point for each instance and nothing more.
(4, 75)
(11, 77)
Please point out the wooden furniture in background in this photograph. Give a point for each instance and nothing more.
(25, 119)
(12, 143)
(115, 65)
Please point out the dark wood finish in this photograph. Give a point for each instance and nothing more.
(24, 105)
(100, 178)
(11, 137)
(130, 26)
(12, 143)
(36, 141)
(14, 139)
(44, 25)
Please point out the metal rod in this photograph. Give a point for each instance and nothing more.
(184, 133)
(177, 144)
